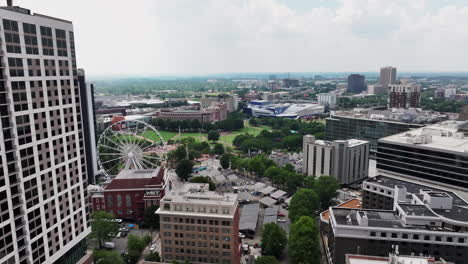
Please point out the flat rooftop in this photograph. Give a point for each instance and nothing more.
(353, 203)
(197, 193)
(137, 174)
(409, 116)
(459, 209)
(444, 136)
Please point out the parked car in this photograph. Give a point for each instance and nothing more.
(109, 245)
(241, 235)
(280, 214)
(153, 247)
(281, 220)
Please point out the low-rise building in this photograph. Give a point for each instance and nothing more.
(345, 160)
(131, 192)
(199, 226)
(207, 115)
(436, 153)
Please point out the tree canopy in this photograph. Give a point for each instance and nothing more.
(225, 161)
(266, 260)
(184, 169)
(304, 202)
(151, 219)
(103, 224)
(213, 135)
(304, 243)
(274, 240)
(326, 188)
(107, 257)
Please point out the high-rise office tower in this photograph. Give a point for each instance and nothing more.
(404, 95)
(89, 125)
(388, 76)
(356, 83)
(43, 215)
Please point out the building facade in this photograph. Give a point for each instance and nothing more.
(436, 153)
(348, 127)
(44, 216)
(404, 96)
(207, 115)
(419, 220)
(199, 226)
(328, 99)
(388, 75)
(89, 125)
(345, 160)
(376, 89)
(356, 83)
(131, 192)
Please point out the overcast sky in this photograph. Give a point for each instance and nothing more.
(157, 37)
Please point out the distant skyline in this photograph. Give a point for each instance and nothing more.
(201, 37)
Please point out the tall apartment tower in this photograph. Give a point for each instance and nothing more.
(43, 215)
(356, 83)
(404, 95)
(199, 226)
(345, 160)
(388, 76)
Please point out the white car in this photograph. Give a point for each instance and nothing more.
(153, 247)
(241, 235)
(282, 220)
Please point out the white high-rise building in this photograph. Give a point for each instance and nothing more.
(44, 216)
(345, 160)
(327, 99)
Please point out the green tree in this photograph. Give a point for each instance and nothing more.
(135, 246)
(289, 167)
(253, 122)
(304, 202)
(326, 188)
(151, 219)
(107, 257)
(266, 260)
(153, 256)
(213, 135)
(274, 240)
(225, 160)
(102, 224)
(184, 169)
(204, 179)
(294, 181)
(218, 149)
(272, 172)
(304, 241)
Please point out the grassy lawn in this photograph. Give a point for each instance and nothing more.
(166, 135)
(225, 139)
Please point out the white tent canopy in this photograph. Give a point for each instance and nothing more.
(267, 201)
(278, 194)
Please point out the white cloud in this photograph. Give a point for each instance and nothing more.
(209, 36)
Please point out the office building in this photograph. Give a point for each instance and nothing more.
(199, 226)
(44, 216)
(388, 75)
(291, 83)
(346, 160)
(404, 96)
(376, 89)
(356, 83)
(393, 259)
(450, 92)
(464, 114)
(327, 99)
(436, 153)
(89, 125)
(371, 125)
(423, 221)
(131, 192)
(210, 114)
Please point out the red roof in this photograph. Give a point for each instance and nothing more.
(136, 183)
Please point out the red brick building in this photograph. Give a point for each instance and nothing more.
(131, 192)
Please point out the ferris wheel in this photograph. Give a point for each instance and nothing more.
(129, 144)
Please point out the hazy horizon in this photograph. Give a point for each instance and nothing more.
(207, 37)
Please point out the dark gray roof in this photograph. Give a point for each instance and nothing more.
(459, 211)
(249, 216)
(416, 209)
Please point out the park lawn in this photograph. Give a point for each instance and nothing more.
(196, 136)
(166, 135)
(254, 131)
